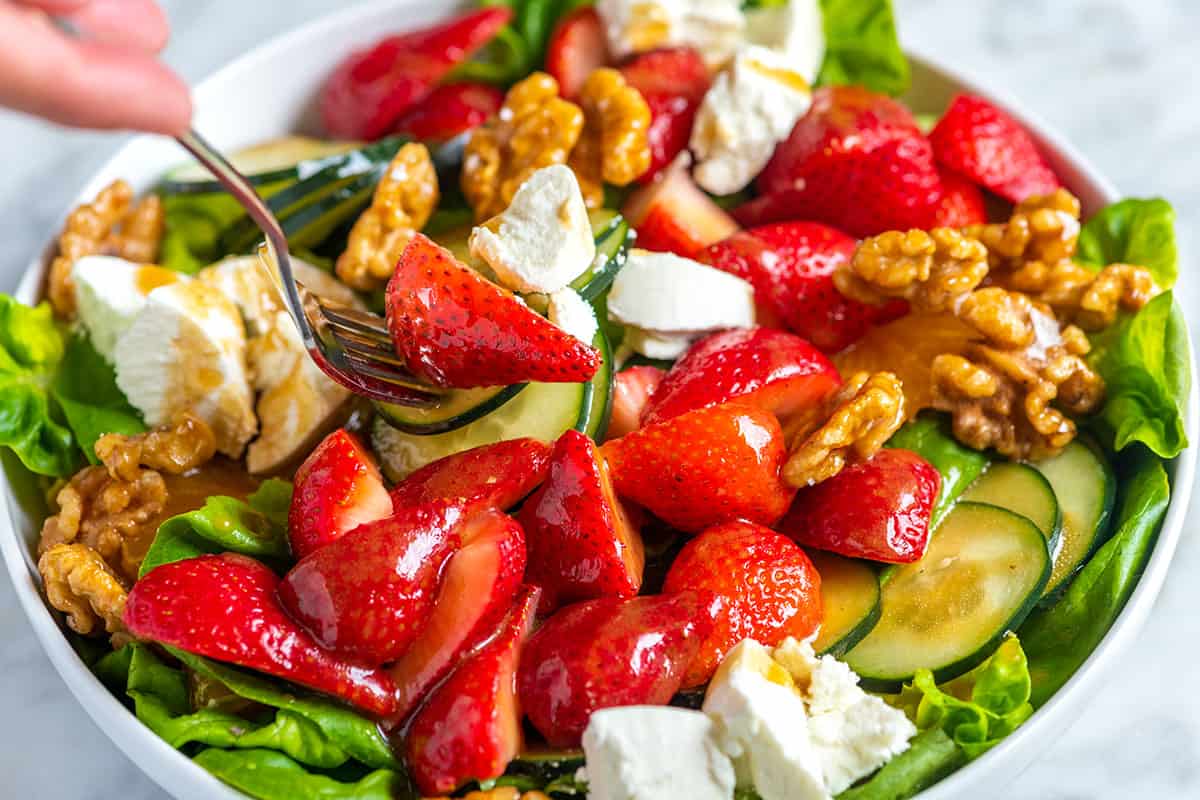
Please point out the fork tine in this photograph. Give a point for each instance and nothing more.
(371, 367)
(369, 349)
(361, 323)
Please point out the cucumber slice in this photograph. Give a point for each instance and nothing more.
(983, 573)
(1086, 488)
(850, 596)
(612, 248)
(291, 158)
(1020, 488)
(457, 408)
(540, 411)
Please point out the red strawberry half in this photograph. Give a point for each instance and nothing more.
(672, 215)
(764, 588)
(962, 202)
(456, 329)
(704, 467)
(224, 607)
(581, 543)
(372, 88)
(991, 148)
(673, 81)
(449, 110)
(631, 391)
(368, 595)
(576, 48)
(495, 476)
(857, 161)
(771, 369)
(337, 488)
(791, 266)
(878, 509)
(470, 728)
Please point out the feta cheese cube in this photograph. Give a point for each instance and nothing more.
(186, 350)
(667, 301)
(543, 240)
(109, 293)
(573, 314)
(714, 27)
(748, 110)
(795, 29)
(653, 752)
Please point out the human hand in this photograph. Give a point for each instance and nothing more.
(109, 77)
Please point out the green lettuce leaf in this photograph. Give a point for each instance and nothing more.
(1146, 366)
(862, 46)
(520, 47)
(929, 436)
(86, 389)
(931, 756)
(1133, 231)
(194, 223)
(31, 421)
(1059, 639)
(271, 775)
(254, 527)
(978, 709)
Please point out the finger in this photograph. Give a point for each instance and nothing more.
(87, 84)
(138, 24)
(54, 6)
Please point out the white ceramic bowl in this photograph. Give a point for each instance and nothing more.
(269, 92)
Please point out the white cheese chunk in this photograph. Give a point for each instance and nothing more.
(750, 108)
(186, 351)
(655, 752)
(297, 403)
(543, 240)
(764, 726)
(666, 302)
(795, 29)
(573, 314)
(109, 293)
(715, 28)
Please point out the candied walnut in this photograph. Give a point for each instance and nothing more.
(1114, 287)
(931, 269)
(852, 426)
(141, 232)
(83, 587)
(499, 793)
(85, 232)
(535, 128)
(403, 202)
(186, 444)
(614, 146)
(1042, 228)
(1003, 317)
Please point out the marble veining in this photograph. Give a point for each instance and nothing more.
(1117, 76)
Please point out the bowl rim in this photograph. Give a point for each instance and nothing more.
(182, 777)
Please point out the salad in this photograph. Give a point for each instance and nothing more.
(784, 443)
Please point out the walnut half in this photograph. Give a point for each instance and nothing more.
(931, 269)
(83, 587)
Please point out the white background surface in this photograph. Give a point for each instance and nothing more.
(1116, 76)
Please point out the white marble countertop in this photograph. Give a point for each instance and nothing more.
(1115, 75)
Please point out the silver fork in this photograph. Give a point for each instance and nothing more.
(352, 347)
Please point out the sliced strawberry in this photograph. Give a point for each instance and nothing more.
(791, 266)
(605, 653)
(673, 215)
(582, 544)
(673, 82)
(372, 88)
(470, 728)
(495, 476)
(478, 586)
(224, 607)
(986, 145)
(962, 202)
(576, 48)
(878, 509)
(337, 488)
(368, 595)
(449, 110)
(631, 391)
(767, 368)
(455, 329)
(857, 161)
(705, 467)
(764, 588)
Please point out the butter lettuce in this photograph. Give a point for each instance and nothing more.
(931, 756)
(271, 775)
(1059, 639)
(1146, 366)
(929, 436)
(862, 46)
(32, 424)
(86, 390)
(1133, 231)
(254, 527)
